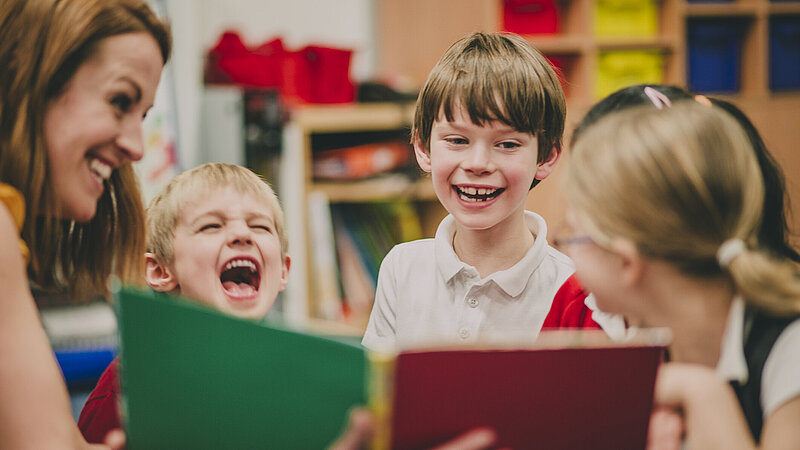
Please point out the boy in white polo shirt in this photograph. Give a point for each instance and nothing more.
(487, 127)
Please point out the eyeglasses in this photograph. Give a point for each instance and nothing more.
(566, 236)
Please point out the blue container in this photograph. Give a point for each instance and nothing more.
(784, 53)
(714, 54)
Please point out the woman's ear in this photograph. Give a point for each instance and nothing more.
(158, 275)
(423, 156)
(631, 261)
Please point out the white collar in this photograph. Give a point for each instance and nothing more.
(512, 280)
(732, 365)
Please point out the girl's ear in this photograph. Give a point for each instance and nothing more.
(631, 261)
(546, 167)
(423, 156)
(158, 275)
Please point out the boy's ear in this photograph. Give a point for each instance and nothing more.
(158, 275)
(546, 167)
(423, 157)
(287, 263)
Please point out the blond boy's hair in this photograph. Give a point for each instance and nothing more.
(496, 76)
(167, 206)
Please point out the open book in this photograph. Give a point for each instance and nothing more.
(195, 378)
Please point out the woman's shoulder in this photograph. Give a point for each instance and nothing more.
(15, 204)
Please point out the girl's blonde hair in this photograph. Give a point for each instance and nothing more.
(678, 183)
(165, 209)
(42, 44)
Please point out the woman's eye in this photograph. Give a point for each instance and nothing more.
(210, 227)
(122, 103)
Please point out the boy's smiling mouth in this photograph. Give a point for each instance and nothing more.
(240, 278)
(477, 194)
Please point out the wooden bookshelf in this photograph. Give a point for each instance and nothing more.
(298, 181)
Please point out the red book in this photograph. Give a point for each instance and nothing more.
(571, 397)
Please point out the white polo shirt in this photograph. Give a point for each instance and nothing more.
(426, 294)
(780, 381)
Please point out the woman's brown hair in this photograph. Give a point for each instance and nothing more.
(42, 44)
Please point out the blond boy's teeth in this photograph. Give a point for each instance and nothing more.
(100, 168)
(240, 263)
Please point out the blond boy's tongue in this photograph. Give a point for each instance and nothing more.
(239, 289)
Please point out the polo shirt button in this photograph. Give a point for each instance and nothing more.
(463, 333)
(473, 302)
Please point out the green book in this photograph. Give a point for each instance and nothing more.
(193, 377)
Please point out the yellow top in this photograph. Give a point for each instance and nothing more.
(15, 204)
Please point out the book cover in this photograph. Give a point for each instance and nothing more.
(558, 398)
(195, 378)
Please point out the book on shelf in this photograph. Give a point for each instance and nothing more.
(328, 299)
(361, 161)
(193, 377)
(363, 234)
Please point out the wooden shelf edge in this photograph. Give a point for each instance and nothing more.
(388, 187)
(352, 117)
(721, 10)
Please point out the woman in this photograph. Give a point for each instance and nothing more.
(78, 78)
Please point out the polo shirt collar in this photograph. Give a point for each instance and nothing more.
(512, 280)
(732, 365)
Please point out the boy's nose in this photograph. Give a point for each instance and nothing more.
(240, 235)
(478, 159)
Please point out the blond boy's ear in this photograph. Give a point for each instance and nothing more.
(423, 156)
(546, 167)
(158, 275)
(287, 263)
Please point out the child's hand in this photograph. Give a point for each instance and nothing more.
(361, 426)
(666, 429)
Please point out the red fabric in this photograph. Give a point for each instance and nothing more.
(568, 309)
(100, 414)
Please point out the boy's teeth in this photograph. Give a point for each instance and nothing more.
(100, 168)
(471, 194)
(240, 263)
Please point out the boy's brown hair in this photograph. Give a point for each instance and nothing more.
(496, 76)
(166, 207)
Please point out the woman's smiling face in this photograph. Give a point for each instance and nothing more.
(95, 125)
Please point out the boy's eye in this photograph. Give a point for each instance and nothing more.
(210, 227)
(122, 103)
(456, 140)
(508, 145)
(261, 228)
